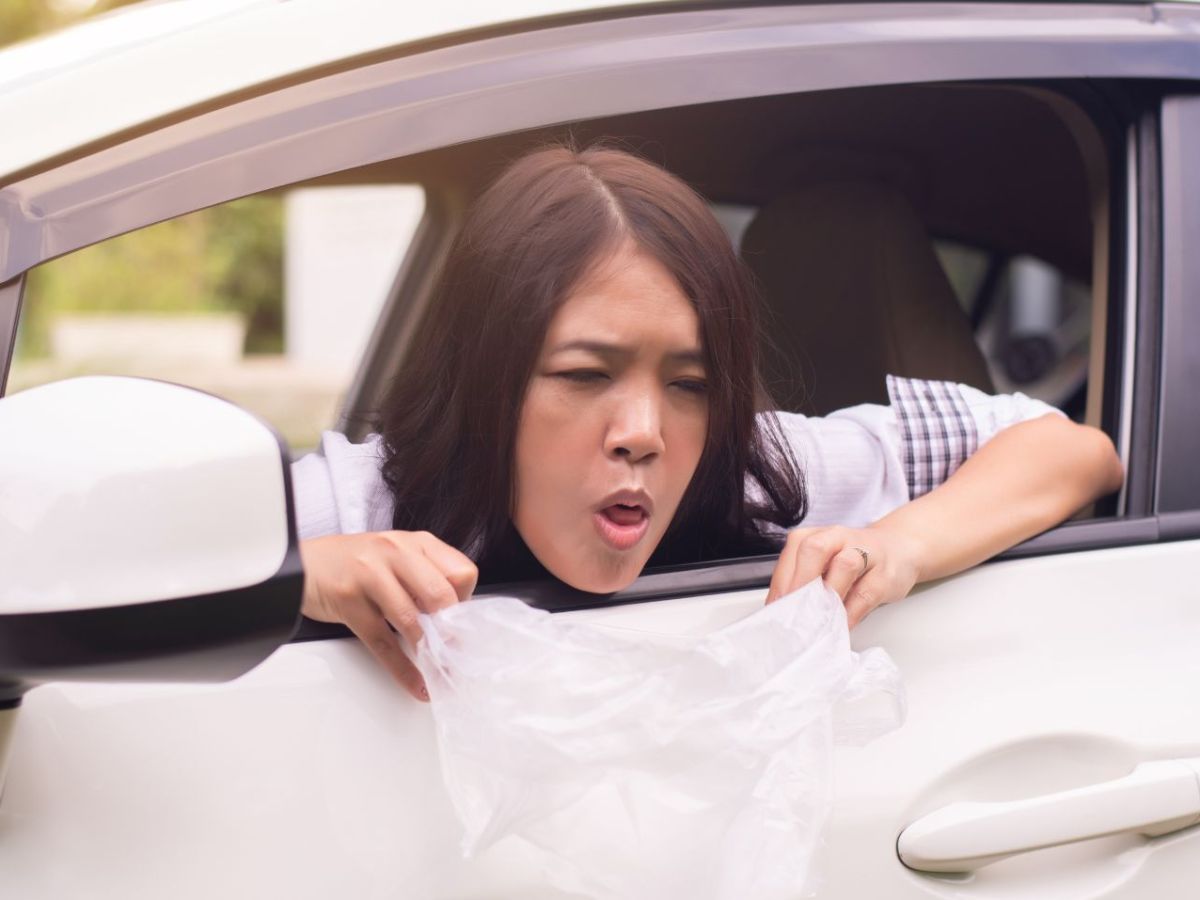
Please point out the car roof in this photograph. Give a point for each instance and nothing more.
(149, 61)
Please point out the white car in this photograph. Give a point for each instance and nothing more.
(1048, 154)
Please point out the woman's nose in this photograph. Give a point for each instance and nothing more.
(635, 430)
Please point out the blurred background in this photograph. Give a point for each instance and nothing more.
(268, 300)
(20, 19)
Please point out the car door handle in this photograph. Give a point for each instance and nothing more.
(1155, 798)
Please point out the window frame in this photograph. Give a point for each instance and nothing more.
(1177, 488)
(406, 302)
(12, 293)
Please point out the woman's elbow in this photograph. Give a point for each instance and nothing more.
(1112, 471)
(1093, 459)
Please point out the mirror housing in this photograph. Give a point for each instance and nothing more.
(146, 533)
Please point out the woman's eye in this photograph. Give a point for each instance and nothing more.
(582, 376)
(692, 385)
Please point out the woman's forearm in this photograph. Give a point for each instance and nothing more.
(1026, 479)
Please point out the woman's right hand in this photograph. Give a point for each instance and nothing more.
(365, 581)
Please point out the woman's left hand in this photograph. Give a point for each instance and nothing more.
(884, 574)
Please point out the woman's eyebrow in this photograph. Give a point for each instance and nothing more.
(604, 348)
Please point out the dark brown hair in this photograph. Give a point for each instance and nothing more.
(450, 418)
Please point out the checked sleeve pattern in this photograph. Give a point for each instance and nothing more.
(937, 430)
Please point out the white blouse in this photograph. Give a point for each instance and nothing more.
(859, 463)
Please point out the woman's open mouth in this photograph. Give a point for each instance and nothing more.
(621, 525)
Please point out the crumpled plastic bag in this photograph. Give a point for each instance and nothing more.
(653, 769)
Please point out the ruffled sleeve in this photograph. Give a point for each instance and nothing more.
(339, 488)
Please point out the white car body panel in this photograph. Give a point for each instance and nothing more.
(314, 775)
(97, 70)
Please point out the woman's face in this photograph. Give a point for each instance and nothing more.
(613, 424)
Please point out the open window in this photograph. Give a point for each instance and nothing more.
(267, 301)
(1002, 194)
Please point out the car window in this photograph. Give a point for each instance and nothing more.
(847, 197)
(735, 218)
(1032, 320)
(267, 301)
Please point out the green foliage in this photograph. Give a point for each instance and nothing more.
(226, 258)
(20, 19)
(246, 260)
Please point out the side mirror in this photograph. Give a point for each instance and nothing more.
(146, 533)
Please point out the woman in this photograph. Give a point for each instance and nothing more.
(580, 400)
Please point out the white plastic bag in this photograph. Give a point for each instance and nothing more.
(653, 769)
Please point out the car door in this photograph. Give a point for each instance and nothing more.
(1039, 683)
(1063, 666)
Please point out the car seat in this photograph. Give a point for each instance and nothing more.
(853, 291)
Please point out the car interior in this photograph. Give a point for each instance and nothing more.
(954, 232)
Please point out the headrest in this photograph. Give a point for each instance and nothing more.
(853, 291)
